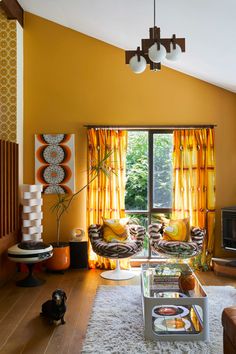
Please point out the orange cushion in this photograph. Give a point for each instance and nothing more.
(177, 230)
(114, 230)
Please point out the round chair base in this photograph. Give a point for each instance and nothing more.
(117, 274)
(30, 281)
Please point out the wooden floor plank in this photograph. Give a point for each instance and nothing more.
(34, 329)
(78, 303)
(59, 334)
(14, 317)
(83, 313)
(23, 331)
(5, 292)
(209, 278)
(14, 296)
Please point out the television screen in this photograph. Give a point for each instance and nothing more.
(228, 219)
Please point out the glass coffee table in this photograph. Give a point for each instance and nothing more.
(170, 314)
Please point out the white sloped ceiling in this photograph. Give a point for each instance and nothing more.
(209, 27)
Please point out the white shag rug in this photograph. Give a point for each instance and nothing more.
(116, 324)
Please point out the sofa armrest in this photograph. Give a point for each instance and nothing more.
(229, 324)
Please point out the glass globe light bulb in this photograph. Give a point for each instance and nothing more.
(156, 55)
(137, 66)
(174, 54)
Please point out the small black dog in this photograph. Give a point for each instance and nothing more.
(55, 309)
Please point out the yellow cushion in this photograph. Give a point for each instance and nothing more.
(177, 230)
(114, 230)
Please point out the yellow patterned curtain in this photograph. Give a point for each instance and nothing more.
(194, 182)
(106, 195)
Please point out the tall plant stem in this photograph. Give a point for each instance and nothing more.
(58, 229)
(62, 210)
(63, 202)
(74, 195)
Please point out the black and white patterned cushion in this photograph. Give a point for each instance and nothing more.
(117, 249)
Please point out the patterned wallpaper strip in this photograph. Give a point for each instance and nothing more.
(7, 78)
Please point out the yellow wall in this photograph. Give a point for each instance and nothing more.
(71, 80)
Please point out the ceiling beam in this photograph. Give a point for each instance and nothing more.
(13, 10)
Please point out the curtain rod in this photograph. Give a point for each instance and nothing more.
(150, 127)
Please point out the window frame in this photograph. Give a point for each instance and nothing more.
(151, 210)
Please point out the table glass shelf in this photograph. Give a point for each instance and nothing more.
(169, 313)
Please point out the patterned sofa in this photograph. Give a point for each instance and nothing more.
(117, 250)
(176, 248)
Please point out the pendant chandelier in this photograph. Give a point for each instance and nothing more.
(154, 50)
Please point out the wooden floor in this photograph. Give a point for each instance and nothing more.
(22, 330)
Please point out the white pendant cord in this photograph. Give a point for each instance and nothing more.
(154, 13)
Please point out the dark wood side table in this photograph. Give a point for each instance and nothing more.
(224, 267)
(79, 254)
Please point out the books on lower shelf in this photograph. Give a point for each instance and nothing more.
(168, 270)
(165, 279)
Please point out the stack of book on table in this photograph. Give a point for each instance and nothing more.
(166, 273)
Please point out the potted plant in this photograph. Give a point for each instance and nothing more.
(61, 250)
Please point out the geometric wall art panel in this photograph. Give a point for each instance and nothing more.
(55, 163)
